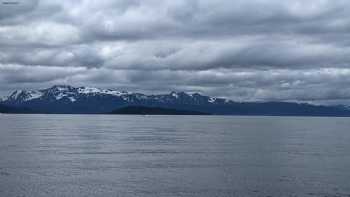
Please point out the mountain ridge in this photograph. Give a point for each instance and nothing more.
(88, 100)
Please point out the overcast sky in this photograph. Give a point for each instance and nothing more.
(290, 50)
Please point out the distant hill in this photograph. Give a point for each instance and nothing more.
(154, 111)
(5, 109)
(8, 109)
(64, 99)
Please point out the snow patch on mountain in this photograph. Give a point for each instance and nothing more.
(72, 99)
(34, 95)
(22, 95)
(16, 94)
(62, 95)
(90, 90)
(211, 100)
(174, 94)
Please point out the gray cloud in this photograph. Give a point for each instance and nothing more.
(244, 50)
(10, 11)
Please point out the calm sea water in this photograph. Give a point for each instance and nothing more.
(162, 156)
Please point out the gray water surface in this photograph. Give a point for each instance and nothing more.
(162, 156)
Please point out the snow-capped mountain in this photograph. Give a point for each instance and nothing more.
(57, 93)
(68, 99)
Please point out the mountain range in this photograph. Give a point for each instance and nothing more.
(62, 99)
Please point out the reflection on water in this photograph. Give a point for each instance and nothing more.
(96, 155)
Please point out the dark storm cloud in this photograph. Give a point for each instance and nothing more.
(244, 50)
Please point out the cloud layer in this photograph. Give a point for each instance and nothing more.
(244, 50)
